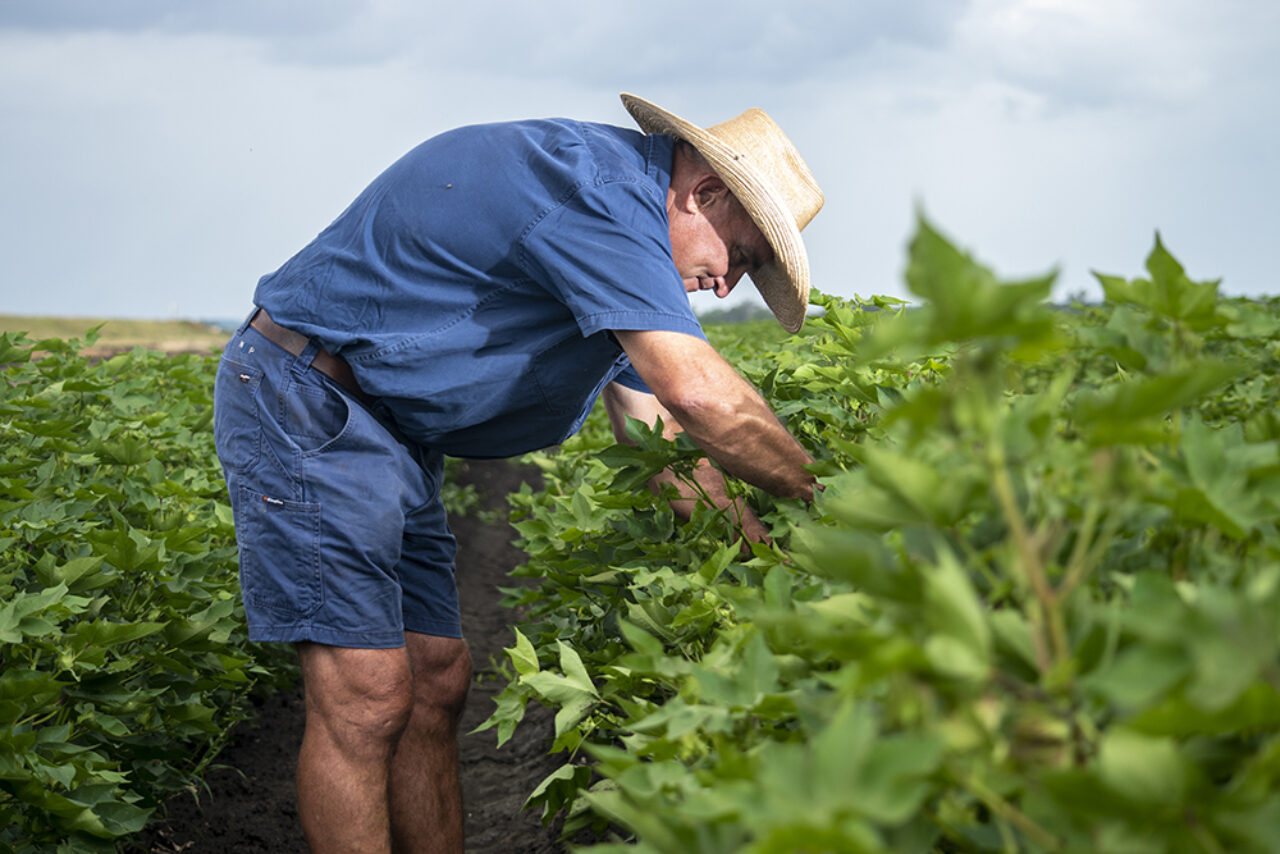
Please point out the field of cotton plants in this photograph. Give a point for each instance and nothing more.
(1036, 606)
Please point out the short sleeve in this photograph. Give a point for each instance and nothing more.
(629, 378)
(604, 252)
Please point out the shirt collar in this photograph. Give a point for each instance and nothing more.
(659, 149)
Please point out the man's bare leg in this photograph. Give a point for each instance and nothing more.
(426, 797)
(358, 704)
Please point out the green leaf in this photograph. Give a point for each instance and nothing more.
(559, 789)
(523, 656)
(934, 497)
(22, 691)
(573, 692)
(14, 347)
(17, 616)
(777, 587)
(966, 302)
(960, 641)
(105, 633)
(717, 563)
(76, 573)
(1143, 769)
(1112, 413)
(1256, 709)
(571, 664)
(640, 640)
(856, 557)
(649, 616)
(1141, 675)
(1168, 293)
(1219, 466)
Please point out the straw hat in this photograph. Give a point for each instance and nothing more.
(765, 172)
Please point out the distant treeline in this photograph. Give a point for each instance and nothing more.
(743, 313)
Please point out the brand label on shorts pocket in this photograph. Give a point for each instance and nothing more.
(279, 554)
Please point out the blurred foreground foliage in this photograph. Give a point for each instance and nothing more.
(1036, 608)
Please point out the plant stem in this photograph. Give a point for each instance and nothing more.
(1079, 564)
(1202, 836)
(1033, 569)
(1012, 814)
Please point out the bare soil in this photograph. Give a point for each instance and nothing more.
(250, 805)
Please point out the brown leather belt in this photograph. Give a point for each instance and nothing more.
(326, 363)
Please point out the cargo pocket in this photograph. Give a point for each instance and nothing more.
(237, 428)
(279, 554)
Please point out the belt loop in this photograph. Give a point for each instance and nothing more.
(252, 314)
(307, 356)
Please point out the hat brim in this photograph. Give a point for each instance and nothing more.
(783, 282)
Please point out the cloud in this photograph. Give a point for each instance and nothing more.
(264, 18)
(675, 43)
(1102, 54)
(175, 150)
(743, 40)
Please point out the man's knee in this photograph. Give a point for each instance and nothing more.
(376, 716)
(441, 675)
(362, 698)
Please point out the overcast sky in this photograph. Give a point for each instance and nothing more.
(158, 156)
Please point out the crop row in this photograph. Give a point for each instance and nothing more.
(123, 656)
(124, 659)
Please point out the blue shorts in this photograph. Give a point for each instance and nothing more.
(343, 537)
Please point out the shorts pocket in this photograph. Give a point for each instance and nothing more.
(312, 416)
(237, 428)
(279, 554)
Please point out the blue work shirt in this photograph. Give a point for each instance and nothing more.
(473, 285)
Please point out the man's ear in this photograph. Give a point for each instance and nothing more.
(709, 192)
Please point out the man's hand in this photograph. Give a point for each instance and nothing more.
(702, 394)
(622, 402)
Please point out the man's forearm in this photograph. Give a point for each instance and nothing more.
(720, 410)
(740, 432)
